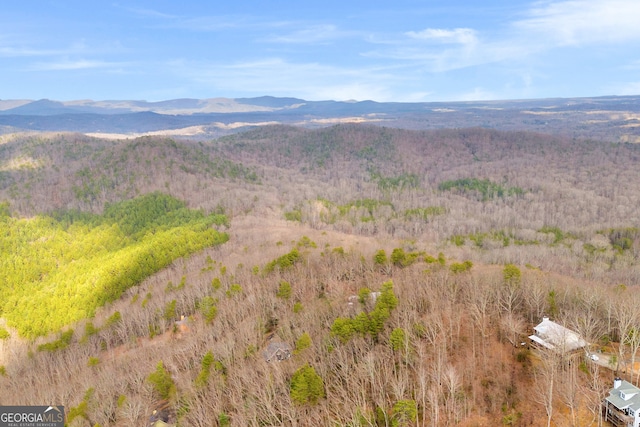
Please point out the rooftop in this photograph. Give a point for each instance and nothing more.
(554, 336)
(626, 395)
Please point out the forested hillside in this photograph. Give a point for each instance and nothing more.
(58, 269)
(496, 197)
(469, 235)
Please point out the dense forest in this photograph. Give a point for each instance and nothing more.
(58, 269)
(402, 269)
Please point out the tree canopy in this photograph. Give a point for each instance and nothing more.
(59, 268)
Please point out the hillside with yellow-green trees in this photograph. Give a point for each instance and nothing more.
(57, 269)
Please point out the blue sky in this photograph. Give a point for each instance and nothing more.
(385, 51)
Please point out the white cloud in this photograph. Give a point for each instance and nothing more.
(417, 97)
(543, 27)
(310, 35)
(212, 23)
(14, 52)
(623, 88)
(634, 65)
(81, 64)
(477, 94)
(279, 77)
(12, 48)
(443, 58)
(146, 12)
(579, 22)
(458, 35)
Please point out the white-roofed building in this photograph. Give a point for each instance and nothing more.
(622, 407)
(553, 336)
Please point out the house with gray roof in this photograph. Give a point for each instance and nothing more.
(622, 407)
(160, 418)
(277, 351)
(553, 336)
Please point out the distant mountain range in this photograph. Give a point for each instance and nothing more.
(46, 107)
(214, 116)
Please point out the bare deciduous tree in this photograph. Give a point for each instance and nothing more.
(545, 380)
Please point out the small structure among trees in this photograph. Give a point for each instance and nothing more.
(161, 416)
(182, 325)
(159, 419)
(555, 337)
(277, 350)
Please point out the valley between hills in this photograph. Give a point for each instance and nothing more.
(396, 267)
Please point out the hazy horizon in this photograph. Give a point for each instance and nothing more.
(90, 100)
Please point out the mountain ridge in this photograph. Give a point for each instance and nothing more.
(615, 118)
(185, 106)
